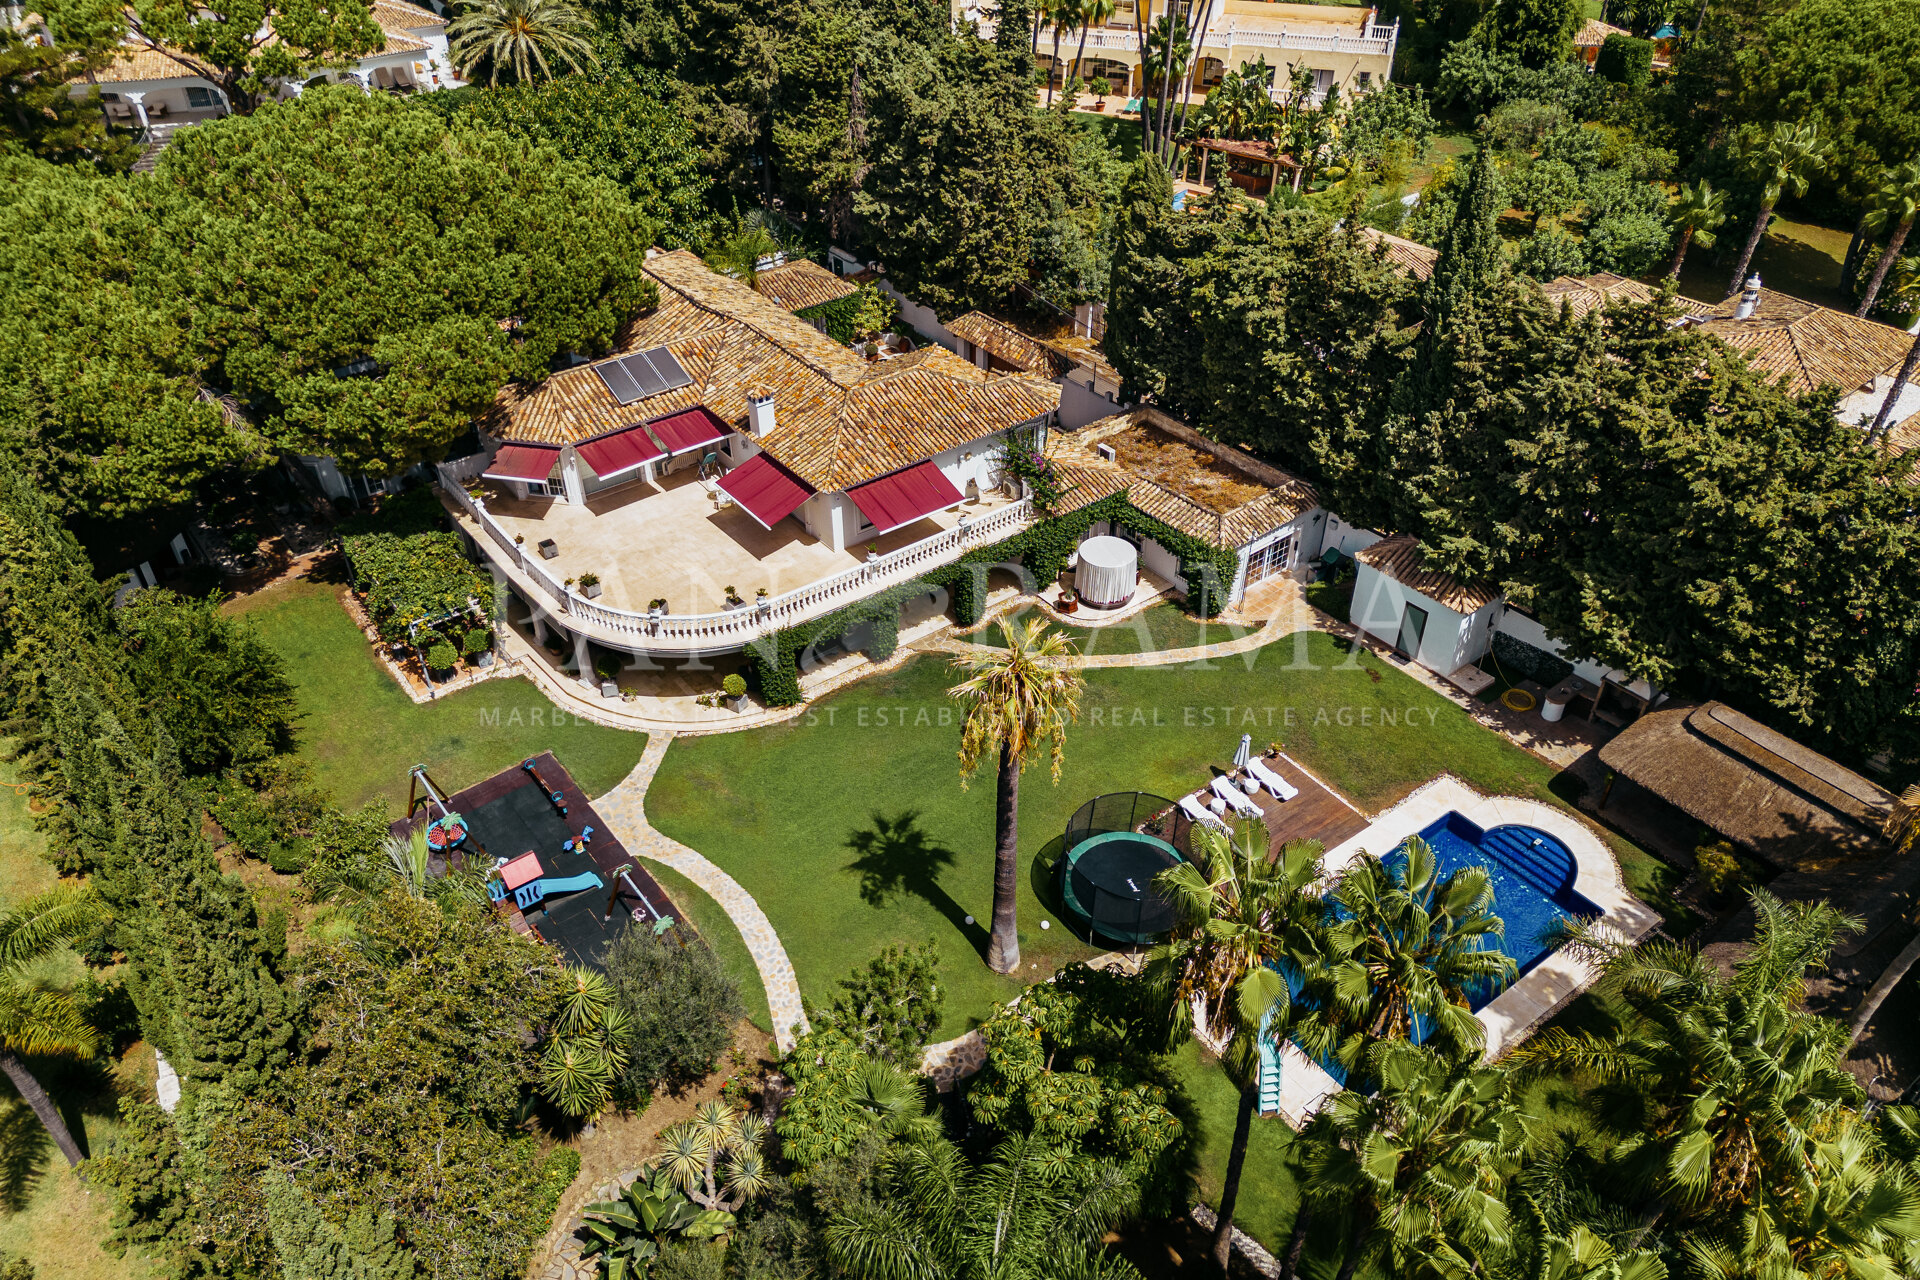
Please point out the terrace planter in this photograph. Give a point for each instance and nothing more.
(737, 704)
(548, 548)
(609, 689)
(592, 592)
(483, 659)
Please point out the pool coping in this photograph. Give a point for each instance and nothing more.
(1520, 1010)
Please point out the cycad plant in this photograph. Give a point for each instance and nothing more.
(586, 1048)
(36, 1022)
(524, 39)
(1239, 919)
(1031, 1212)
(1411, 950)
(1018, 701)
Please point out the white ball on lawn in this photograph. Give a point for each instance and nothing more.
(969, 919)
(1046, 924)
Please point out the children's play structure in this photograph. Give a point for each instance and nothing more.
(553, 794)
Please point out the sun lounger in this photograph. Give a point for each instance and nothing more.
(1270, 780)
(1236, 798)
(1198, 812)
(1133, 105)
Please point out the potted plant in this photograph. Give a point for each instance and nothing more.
(1104, 88)
(1069, 602)
(441, 657)
(519, 539)
(735, 687)
(478, 644)
(548, 548)
(590, 585)
(607, 667)
(733, 598)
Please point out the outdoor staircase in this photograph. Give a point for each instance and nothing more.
(1543, 863)
(1269, 1078)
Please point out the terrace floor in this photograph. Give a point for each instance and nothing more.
(671, 539)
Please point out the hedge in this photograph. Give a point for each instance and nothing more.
(836, 317)
(409, 567)
(1044, 550)
(1625, 60)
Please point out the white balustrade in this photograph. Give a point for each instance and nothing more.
(749, 622)
(1379, 42)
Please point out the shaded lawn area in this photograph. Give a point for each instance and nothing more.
(1122, 135)
(1800, 258)
(362, 733)
(47, 1215)
(1154, 630)
(849, 826)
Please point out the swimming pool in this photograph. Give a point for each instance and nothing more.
(1532, 874)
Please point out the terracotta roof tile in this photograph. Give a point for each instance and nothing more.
(838, 419)
(1593, 33)
(1809, 345)
(1410, 256)
(1584, 294)
(1403, 559)
(802, 283)
(1016, 348)
(398, 15)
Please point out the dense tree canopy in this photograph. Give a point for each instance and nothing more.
(245, 45)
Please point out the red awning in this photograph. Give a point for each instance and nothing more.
(619, 452)
(904, 496)
(523, 462)
(765, 490)
(688, 429)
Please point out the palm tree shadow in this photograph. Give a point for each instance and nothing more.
(24, 1151)
(896, 856)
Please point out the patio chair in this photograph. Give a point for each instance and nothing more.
(1281, 788)
(1236, 799)
(1133, 105)
(1192, 807)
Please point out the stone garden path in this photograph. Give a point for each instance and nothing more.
(624, 811)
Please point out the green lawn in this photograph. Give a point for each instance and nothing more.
(849, 826)
(47, 1216)
(1154, 630)
(362, 733)
(1122, 135)
(1800, 258)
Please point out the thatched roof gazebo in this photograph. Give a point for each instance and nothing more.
(1790, 806)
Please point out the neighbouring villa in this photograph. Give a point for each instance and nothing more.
(730, 474)
(1345, 45)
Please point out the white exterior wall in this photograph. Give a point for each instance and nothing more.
(1306, 529)
(1346, 538)
(921, 318)
(1451, 640)
(1525, 629)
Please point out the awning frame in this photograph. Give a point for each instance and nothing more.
(880, 530)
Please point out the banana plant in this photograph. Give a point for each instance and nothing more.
(631, 1232)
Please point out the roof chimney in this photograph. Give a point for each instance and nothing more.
(1750, 300)
(1108, 452)
(759, 414)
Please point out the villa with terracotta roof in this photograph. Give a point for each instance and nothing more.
(151, 88)
(729, 470)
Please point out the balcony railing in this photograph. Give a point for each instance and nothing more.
(1223, 36)
(702, 632)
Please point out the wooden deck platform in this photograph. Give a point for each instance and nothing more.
(1317, 813)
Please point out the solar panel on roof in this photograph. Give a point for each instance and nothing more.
(618, 381)
(669, 367)
(651, 383)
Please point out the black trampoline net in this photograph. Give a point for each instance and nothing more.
(1112, 883)
(1130, 811)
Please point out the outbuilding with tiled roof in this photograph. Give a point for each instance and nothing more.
(1436, 619)
(802, 284)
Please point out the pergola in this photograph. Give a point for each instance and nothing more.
(1261, 153)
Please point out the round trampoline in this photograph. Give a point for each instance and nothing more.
(1113, 854)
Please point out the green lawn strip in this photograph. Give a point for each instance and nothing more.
(714, 925)
(1154, 630)
(1122, 135)
(1798, 258)
(362, 733)
(868, 776)
(46, 1215)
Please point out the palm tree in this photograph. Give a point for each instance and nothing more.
(1032, 1212)
(1237, 917)
(1785, 159)
(1726, 1082)
(1897, 202)
(1018, 699)
(522, 37)
(1411, 950)
(1421, 1167)
(1696, 212)
(1881, 420)
(35, 1021)
(1090, 14)
(1064, 15)
(740, 253)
